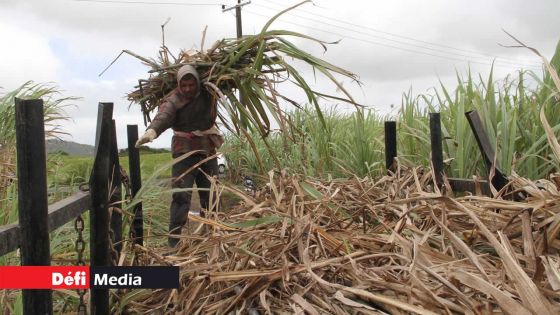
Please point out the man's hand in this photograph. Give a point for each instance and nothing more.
(148, 136)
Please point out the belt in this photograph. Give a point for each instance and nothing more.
(182, 134)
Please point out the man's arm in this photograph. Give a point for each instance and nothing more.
(164, 118)
(161, 122)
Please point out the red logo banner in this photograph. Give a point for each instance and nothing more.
(44, 277)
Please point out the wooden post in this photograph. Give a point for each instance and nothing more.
(116, 195)
(32, 198)
(390, 145)
(437, 151)
(99, 215)
(499, 180)
(135, 182)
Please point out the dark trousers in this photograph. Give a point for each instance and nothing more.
(178, 212)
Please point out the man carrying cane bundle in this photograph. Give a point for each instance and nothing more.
(191, 112)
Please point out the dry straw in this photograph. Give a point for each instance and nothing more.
(391, 245)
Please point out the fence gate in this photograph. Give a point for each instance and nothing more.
(37, 218)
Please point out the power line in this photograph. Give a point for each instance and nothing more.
(498, 59)
(388, 45)
(397, 35)
(156, 3)
(486, 55)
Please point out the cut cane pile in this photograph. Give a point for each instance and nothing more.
(395, 245)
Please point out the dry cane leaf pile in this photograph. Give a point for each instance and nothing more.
(362, 246)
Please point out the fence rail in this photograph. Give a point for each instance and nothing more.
(59, 213)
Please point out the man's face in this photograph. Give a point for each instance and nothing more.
(188, 87)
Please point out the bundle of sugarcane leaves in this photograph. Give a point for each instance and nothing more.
(253, 65)
(392, 245)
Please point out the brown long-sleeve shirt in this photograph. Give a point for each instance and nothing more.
(180, 114)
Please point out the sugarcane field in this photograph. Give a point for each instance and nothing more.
(279, 157)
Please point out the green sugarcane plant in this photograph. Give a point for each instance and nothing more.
(510, 111)
(54, 106)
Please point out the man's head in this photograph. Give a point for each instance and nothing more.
(188, 85)
(187, 81)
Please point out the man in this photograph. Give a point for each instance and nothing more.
(191, 112)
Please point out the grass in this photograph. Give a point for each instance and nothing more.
(67, 170)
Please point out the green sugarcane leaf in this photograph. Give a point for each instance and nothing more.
(311, 191)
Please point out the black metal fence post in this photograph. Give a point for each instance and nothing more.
(99, 214)
(436, 144)
(135, 182)
(390, 145)
(32, 198)
(116, 193)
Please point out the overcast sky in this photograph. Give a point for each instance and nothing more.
(391, 45)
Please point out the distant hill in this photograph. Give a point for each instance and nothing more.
(146, 149)
(73, 148)
(69, 147)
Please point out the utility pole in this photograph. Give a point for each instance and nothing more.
(239, 34)
(237, 8)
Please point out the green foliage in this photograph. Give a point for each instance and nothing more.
(67, 170)
(53, 108)
(333, 147)
(150, 163)
(64, 169)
